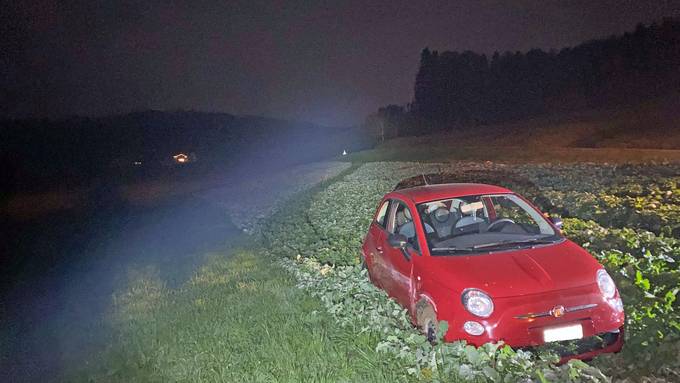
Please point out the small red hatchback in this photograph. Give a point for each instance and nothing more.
(489, 263)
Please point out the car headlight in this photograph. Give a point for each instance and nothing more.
(616, 304)
(477, 302)
(606, 284)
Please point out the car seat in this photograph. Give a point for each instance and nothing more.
(406, 227)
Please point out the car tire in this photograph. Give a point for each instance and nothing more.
(426, 319)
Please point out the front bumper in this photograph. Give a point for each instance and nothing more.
(587, 348)
(512, 323)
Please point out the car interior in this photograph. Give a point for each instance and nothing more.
(490, 218)
(454, 216)
(446, 222)
(403, 224)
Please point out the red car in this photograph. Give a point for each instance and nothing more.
(487, 261)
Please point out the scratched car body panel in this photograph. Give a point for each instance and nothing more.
(494, 267)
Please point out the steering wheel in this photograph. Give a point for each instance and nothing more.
(441, 215)
(502, 220)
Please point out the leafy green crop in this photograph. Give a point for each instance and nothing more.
(354, 302)
(626, 216)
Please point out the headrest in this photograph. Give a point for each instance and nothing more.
(432, 207)
(471, 208)
(400, 218)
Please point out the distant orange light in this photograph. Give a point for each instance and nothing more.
(181, 158)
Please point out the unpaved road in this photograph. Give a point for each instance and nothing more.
(54, 303)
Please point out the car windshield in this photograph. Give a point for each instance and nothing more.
(483, 223)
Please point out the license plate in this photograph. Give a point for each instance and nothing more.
(556, 334)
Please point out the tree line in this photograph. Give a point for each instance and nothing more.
(453, 89)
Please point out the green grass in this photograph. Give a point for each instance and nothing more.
(238, 319)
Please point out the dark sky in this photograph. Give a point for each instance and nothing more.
(329, 62)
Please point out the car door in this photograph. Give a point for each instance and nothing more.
(399, 262)
(374, 245)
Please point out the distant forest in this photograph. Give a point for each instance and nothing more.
(463, 88)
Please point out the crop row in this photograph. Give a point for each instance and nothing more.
(646, 213)
(631, 180)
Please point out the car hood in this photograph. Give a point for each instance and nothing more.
(518, 272)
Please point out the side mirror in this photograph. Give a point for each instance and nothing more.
(397, 241)
(557, 221)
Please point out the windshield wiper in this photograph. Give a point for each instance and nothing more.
(536, 241)
(464, 249)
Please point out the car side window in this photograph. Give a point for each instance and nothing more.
(381, 217)
(401, 222)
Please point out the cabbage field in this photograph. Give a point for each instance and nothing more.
(627, 216)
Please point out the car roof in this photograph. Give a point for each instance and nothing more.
(427, 193)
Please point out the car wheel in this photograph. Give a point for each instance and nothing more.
(427, 320)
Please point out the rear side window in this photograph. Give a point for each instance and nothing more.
(381, 218)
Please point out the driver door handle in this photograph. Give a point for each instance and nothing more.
(380, 249)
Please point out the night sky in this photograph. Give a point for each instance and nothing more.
(329, 62)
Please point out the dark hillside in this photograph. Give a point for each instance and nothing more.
(42, 154)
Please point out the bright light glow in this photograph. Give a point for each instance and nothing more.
(181, 158)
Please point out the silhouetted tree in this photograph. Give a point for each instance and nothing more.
(387, 122)
(453, 88)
